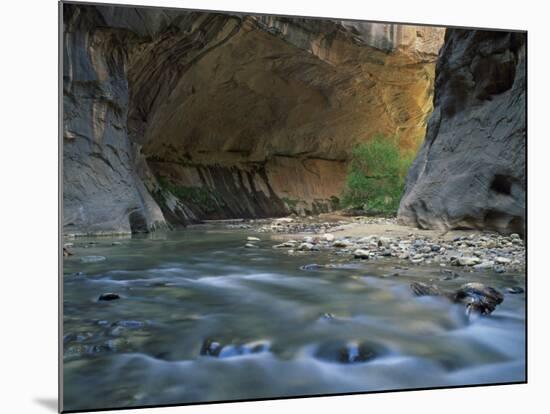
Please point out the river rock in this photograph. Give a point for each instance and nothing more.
(465, 261)
(503, 260)
(478, 298)
(210, 348)
(250, 246)
(348, 353)
(328, 237)
(306, 246)
(108, 296)
(361, 254)
(252, 239)
(484, 265)
(424, 289)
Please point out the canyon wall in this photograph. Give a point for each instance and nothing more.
(173, 116)
(470, 171)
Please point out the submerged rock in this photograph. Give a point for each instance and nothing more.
(216, 349)
(423, 289)
(108, 296)
(347, 353)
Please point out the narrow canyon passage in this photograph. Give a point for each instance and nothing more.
(210, 248)
(208, 116)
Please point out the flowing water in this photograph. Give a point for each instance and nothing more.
(201, 318)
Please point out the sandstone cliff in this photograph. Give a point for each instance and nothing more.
(181, 116)
(470, 171)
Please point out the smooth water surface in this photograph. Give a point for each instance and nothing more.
(201, 318)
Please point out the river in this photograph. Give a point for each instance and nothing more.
(201, 318)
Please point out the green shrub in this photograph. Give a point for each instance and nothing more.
(376, 175)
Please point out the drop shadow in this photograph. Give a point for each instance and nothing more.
(49, 403)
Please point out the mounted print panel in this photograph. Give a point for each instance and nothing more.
(259, 206)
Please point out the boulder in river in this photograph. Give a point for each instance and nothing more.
(478, 298)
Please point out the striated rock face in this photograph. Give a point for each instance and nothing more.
(187, 115)
(470, 171)
(102, 190)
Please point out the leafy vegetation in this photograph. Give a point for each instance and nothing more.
(376, 175)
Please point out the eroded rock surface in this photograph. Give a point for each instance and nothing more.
(179, 116)
(470, 171)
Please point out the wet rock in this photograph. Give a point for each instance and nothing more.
(484, 265)
(306, 246)
(449, 275)
(108, 296)
(216, 349)
(67, 252)
(361, 254)
(424, 289)
(250, 246)
(252, 239)
(499, 269)
(210, 348)
(351, 352)
(341, 243)
(514, 290)
(465, 261)
(478, 298)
